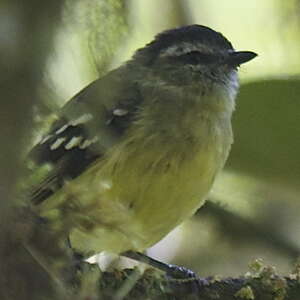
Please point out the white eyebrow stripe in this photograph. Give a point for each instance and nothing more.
(184, 48)
(74, 142)
(81, 120)
(57, 143)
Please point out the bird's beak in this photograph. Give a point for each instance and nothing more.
(239, 57)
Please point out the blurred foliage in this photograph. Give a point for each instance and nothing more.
(102, 25)
(267, 131)
(26, 31)
(89, 37)
(290, 13)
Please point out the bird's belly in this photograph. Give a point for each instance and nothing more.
(143, 199)
(172, 196)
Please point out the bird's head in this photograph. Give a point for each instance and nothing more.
(192, 54)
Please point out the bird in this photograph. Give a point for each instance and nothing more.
(136, 152)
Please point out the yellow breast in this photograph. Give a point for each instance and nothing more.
(145, 186)
(139, 194)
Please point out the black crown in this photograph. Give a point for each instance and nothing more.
(189, 34)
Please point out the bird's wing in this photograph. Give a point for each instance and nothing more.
(89, 124)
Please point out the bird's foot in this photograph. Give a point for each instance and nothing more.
(173, 271)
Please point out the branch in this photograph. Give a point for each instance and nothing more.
(265, 285)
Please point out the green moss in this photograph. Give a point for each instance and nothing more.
(245, 293)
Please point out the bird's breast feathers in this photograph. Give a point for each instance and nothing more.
(142, 189)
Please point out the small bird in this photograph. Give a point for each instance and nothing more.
(135, 153)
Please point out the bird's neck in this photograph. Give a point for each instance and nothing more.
(176, 113)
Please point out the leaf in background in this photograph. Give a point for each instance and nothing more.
(102, 25)
(267, 131)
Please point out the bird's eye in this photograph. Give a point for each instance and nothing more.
(196, 57)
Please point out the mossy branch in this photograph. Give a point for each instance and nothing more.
(265, 285)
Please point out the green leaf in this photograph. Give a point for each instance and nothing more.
(266, 126)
